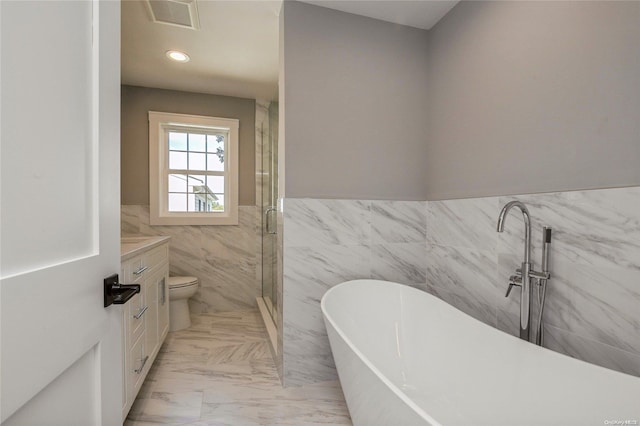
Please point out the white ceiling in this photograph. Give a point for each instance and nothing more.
(235, 52)
(414, 13)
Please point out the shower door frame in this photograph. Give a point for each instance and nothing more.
(268, 207)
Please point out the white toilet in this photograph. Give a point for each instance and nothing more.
(180, 290)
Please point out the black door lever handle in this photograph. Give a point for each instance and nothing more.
(116, 293)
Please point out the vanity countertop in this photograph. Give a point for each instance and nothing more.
(132, 246)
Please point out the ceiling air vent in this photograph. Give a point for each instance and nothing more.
(181, 13)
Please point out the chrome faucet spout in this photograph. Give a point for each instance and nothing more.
(527, 225)
(525, 293)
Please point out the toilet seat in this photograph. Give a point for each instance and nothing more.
(178, 282)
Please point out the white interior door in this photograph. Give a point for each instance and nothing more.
(60, 349)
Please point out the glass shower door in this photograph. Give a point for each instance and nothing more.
(269, 210)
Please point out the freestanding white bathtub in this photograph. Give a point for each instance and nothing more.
(405, 357)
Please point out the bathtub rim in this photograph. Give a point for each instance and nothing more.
(398, 392)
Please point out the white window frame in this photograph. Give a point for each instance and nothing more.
(160, 123)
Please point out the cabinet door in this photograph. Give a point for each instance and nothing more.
(163, 304)
(151, 316)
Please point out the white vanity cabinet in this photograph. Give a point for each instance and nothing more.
(145, 261)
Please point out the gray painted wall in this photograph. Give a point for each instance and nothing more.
(138, 101)
(498, 98)
(355, 106)
(533, 97)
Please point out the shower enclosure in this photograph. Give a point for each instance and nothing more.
(269, 189)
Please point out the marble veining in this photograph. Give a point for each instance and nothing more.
(467, 223)
(598, 303)
(224, 258)
(599, 227)
(452, 250)
(308, 273)
(279, 320)
(220, 372)
(591, 311)
(469, 273)
(591, 351)
(398, 222)
(310, 222)
(327, 242)
(401, 262)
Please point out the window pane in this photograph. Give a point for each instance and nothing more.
(215, 143)
(177, 202)
(215, 148)
(214, 164)
(191, 202)
(197, 142)
(197, 183)
(216, 184)
(219, 205)
(197, 161)
(178, 141)
(177, 183)
(177, 160)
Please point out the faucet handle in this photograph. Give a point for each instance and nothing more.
(511, 285)
(514, 280)
(540, 275)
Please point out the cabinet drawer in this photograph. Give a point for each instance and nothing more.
(137, 268)
(136, 312)
(137, 365)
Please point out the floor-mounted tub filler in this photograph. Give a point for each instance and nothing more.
(405, 357)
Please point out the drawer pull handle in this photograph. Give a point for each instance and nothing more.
(163, 285)
(141, 313)
(144, 361)
(141, 270)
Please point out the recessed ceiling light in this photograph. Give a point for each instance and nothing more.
(177, 56)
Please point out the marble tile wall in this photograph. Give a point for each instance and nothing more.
(327, 242)
(592, 309)
(279, 318)
(224, 258)
(451, 249)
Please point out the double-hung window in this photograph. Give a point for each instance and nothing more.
(193, 170)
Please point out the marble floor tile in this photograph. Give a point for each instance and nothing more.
(245, 351)
(220, 372)
(167, 407)
(129, 422)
